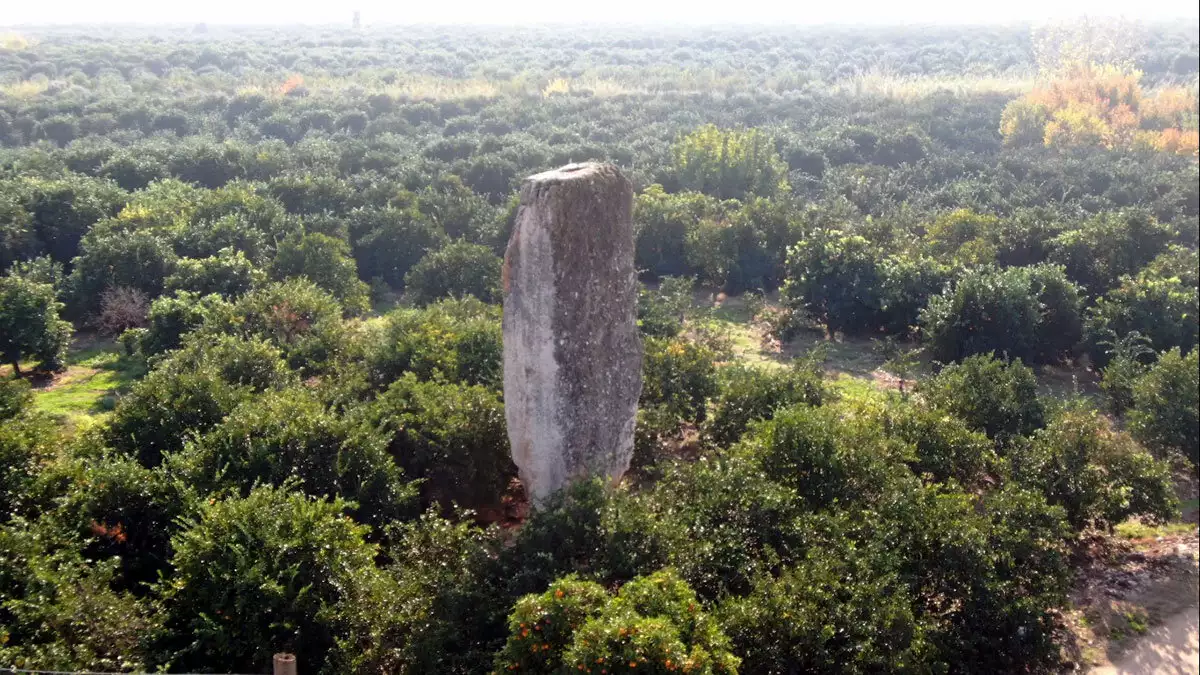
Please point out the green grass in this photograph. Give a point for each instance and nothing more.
(97, 372)
(1133, 529)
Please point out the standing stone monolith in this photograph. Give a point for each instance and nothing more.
(572, 352)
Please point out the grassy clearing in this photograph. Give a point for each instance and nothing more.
(854, 357)
(1135, 530)
(97, 372)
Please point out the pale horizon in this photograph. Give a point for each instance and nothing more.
(478, 12)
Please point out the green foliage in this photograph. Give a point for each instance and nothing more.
(851, 286)
(288, 437)
(655, 624)
(1108, 247)
(679, 374)
(29, 324)
(661, 224)
(662, 312)
(272, 571)
(171, 317)
(450, 435)
(729, 163)
(60, 211)
(966, 236)
(459, 339)
(1028, 313)
(827, 458)
(109, 259)
(326, 262)
(864, 533)
(190, 392)
(838, 610)
(724, 522)
(988, 394)
(458, 270)
(1165, 310)
(296, 316)
(59, 610)
(441, 608)
(14, 398)
(27, 443)
(388, 243)
(228, 274)
(944, 447)
(748, 394)
(588, 528)
(1098, 476)
(1166, 405)
(1128, 354)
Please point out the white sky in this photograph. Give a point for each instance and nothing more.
(16, 12)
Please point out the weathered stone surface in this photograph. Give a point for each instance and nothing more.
(572, 353)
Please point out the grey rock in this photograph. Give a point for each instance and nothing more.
(572, 352)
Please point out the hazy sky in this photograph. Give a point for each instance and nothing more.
(15, 12)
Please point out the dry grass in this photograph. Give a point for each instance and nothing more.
(14, 42)
(883, 84)
(25, 89)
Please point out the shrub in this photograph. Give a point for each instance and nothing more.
(458, 270)
(326, 262)
(679, 374)
(60, 610)
(655, 624)
(126, 512)
(171, 317)
(14, 398)
(1128, 354)
(661, 312)
(1099, 477)
(1001, 558)
(1165, 310)
(1166, 405)
(724, 522)
(122, 308)
(835, 278)
(828, 457)
(1030, 313)
(139, 260)
(459, 339)
(838, 610)
(729, 163)
(388, 243)
(229, 274)
(661, 223)
(27, 444)
(273, 571)
(295, 315)
(450, 435)
(944, 446)
(165, 408)
(289, 437)
(989, 394)
(748, 394)
(590, 528)
(1109, 246)
(445, 615)
(29, 324)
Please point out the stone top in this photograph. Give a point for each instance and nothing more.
(576, 171)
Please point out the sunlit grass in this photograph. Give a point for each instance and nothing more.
(25, 89)
(11, 41)
(1135, 529)
(96, 374)
(883, 84)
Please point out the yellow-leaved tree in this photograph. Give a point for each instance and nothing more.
(1089, 94)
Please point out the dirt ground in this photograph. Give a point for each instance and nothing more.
(1172, 648)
